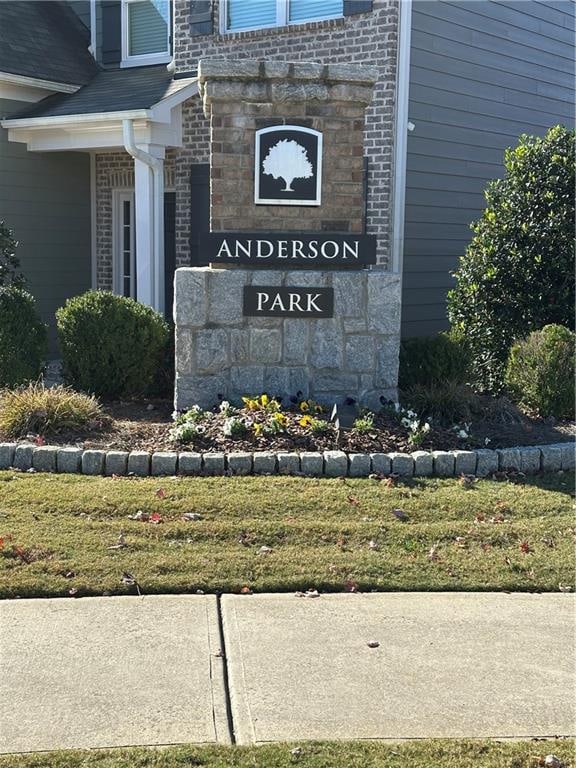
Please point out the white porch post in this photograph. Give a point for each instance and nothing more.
(148, 218)
(144, 222)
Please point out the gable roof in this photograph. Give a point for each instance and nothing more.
(117, 90)
(45, 40)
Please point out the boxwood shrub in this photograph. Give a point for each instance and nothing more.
(540, 372)
(23, 340)
(111, 346)
(433, 360)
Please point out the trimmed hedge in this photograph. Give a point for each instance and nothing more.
(111, 346)
(541, 369)
(23, 341)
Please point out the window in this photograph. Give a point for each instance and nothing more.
(124, 253)
(145, 32)
(241, 15)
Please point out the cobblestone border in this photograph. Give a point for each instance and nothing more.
(481, 462)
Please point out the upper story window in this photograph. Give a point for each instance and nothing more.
(145, 32)
(238, 15)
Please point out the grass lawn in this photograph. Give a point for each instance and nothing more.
(414, 754)
(59, 534)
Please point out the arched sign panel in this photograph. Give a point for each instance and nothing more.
(288, 166)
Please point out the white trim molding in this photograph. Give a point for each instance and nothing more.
(34, 82)
(93, 224)
(140, 60)
(401, 136)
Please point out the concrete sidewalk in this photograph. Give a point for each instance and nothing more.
(447, 664)
(117, 671)
(110, 672)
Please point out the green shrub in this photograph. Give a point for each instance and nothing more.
(518, 272)
(540, 372)
(111, 346)
(22, 337)
(9, 263)
(432, 360)
(46, 411)
(446, 402)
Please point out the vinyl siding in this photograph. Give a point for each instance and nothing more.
(45, 199)
(481, 73)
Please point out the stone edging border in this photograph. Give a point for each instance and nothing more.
(480, 462)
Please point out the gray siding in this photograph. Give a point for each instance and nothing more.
(45, 199)
(481, 74)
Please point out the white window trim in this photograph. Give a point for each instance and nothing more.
(119, 197)
(282, 19)
(163, 57)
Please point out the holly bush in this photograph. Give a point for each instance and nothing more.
(517, 274)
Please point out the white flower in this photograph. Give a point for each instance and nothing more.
(175, 415)
(412, 414)
(406, 423)
(426, 427)
(224, 406)
(228, 427)
(487, 440)
(462, 434)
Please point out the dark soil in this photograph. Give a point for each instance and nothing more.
(145, 425)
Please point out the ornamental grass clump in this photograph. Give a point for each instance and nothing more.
(540, 372)
(47, 411)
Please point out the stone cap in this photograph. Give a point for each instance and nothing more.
(259, 69)
(258, 81)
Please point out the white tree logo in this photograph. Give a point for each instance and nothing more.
(287, 160)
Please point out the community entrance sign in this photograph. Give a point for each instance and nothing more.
(288, 250)
(271, 301)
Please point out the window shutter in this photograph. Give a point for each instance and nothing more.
(357, 6)
(111, 31)
(199, 208)
(200, 17)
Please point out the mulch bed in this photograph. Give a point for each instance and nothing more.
(145, 425)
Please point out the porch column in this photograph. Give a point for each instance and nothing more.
(149, 222)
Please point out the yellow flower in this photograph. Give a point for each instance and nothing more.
(281, 419)
(264, 400)
(257, 429)
(306, 421)
(304, 406)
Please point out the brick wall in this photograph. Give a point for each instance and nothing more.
(369, 38)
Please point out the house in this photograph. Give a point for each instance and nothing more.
(105, 146)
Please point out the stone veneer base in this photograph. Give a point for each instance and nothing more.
(481, 462)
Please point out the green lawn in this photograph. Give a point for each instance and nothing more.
(57, 531)
(414, 754)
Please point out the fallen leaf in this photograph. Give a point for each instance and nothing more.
(433, 553)
(308, 593)
(373, 644)
(400, 515)
(39, 440)
(467, 481)
(155, 518)
(373, 545)
(551, 761)
(353, 500)
(525, 547)
(140, 515)
(160, 493)
(564, 588)
(191, 516)
(1, 543)
(73, 592)
(121, 543)
(480, 517)
(264, 550)
(296, 752)
(127, 578)
(390, 482)
(350, 586)
(245, 590)
(460, 541)
(69, 575)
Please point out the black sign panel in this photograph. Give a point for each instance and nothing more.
(289, 250)
(288, 166)
(275, 301)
